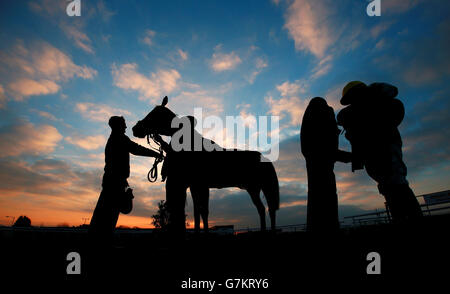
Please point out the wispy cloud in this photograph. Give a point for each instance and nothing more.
(99, 112)
(2, 97)
(260, 64)
(87, 142)
(380, 28)
(322, 68)
(415, 64)
(46, 114)
(186, 101)
(308, 24)
(183, 54)
(105, 13)
(55, 12)
(152, 87)
(148, 37)
(80, 38)
(395, 6)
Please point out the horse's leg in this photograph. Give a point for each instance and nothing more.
(176, 200)
(205, 207)
(255, 195)
(201, 205)
(272, 214)
(197, 207)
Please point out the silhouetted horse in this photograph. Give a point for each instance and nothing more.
(203, 169)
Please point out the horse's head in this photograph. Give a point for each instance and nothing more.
(158, 121)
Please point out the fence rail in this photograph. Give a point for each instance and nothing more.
(383, 216)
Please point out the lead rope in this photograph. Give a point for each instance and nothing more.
(152, 175)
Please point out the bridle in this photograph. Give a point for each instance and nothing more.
(152, 175)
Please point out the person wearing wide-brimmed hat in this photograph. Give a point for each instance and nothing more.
(371, 119)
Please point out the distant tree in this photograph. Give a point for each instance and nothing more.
(161, 218)
(22, 221)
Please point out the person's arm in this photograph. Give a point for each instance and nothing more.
(139, 150)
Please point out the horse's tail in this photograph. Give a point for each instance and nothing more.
(270, 186)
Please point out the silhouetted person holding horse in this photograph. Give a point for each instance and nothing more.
(371, 119)
(319, 139)
(117, 171)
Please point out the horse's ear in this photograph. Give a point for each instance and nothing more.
(165, 100)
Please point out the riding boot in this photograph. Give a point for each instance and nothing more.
(413, 210)
(403, 204)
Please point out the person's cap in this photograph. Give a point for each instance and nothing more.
(351, 90)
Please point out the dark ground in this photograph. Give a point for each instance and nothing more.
(286, 260)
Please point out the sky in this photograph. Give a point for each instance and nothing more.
(62, 77)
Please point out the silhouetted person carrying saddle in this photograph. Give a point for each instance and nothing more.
(319, 139)
(117, 171)
(371, 119)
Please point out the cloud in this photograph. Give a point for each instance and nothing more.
(289, 103)
(260, 64)
(183, 54)
(26, 138)
(27, 87)
(105, 13)
(395, 6)
(39, 69)
(321, 70)
(186, 101)
(80, 39)
(426, 141)
(54, 64)
(99, 112)
(55, 12)
(48, 7)
(380, 44)
(148, 37)
(158, 84)
(48, 186)
(308, 24)
(45, 114)
(294, 106)
(87, 142)
(2, 97)
(413, 61)
(290, 89)
(223, 61)
(380, 28)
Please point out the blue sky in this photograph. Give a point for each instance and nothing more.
(62, 77)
